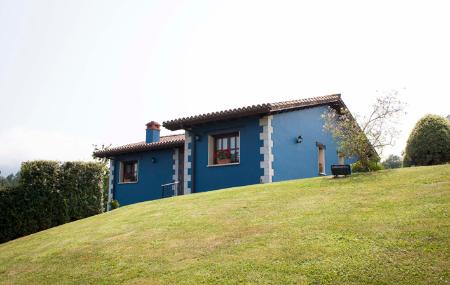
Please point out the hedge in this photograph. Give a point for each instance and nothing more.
(81, 186)
(50, 193)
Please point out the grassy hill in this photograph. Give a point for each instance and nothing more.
(390, 227)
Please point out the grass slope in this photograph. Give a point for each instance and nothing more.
(390, 227)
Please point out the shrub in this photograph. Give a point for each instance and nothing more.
(393, 161)
(429, 142)
(114, 204)
(49, 194)
(372, 166)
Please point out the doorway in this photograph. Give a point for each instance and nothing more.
(321, 160)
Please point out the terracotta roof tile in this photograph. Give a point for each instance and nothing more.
(165, 142)
(261, 109)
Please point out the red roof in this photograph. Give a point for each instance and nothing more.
(165, 142)
(261, 109)
(181, 123)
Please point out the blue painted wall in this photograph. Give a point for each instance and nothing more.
(219, 177)
(150, 176)
(293, 160)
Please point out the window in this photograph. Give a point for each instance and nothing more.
(225, 148)
(129, 171)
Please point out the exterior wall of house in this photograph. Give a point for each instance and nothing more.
(292, 160)
(151, 175)
(187, 187)
(266, 148)
(269, 152)
(248, 171)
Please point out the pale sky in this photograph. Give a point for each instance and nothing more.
(75, 73)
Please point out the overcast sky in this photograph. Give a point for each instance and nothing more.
(76, 73)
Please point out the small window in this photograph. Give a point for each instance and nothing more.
(226, 148)
(129, 171)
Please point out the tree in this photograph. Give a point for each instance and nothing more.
(102, 147)
(393, 161)
(10, 180)
(429, 142)
(366, 136)
(105, 162)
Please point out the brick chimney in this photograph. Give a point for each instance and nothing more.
(152, 132)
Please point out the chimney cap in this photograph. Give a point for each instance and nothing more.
(153, 126)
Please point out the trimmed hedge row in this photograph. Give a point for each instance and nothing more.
(50, 193)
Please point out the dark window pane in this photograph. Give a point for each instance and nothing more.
(129, 171)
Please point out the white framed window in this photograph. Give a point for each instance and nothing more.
(128, 171)
(224, 149)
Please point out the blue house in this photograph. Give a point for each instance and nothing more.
(249, 145)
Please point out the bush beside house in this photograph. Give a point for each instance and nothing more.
(371, 165)
(50, 193)
(429, 142)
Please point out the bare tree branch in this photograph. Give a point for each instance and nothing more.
(379, 128)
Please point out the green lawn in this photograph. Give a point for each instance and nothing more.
(389, 227)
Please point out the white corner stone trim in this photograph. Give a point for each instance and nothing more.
(187, 164)
(176, 164)
(110, 185)
(266, 149)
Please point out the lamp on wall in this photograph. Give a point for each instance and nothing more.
(299, 139)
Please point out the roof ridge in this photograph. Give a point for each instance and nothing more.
(309, 98)
(174, 135)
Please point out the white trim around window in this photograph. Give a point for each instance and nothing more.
(136, 171)
(211, 148)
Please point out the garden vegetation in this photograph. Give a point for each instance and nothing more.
(50, 193)
(429, 142)
(385, 227)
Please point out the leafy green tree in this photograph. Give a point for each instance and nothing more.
(393, 161)
(429, 142)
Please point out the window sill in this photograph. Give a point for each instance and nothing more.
(134, 182)
(225, 164)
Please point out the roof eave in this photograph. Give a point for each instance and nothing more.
(144, 148)
(188, 123)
